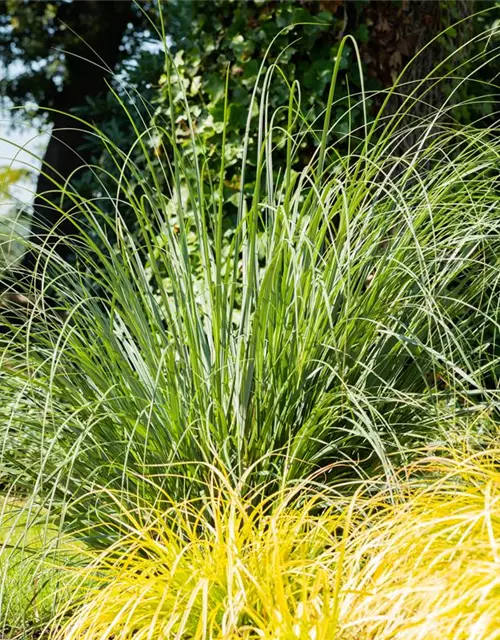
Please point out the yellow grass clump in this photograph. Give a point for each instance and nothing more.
(418, 559)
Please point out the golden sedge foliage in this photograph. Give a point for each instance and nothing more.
(418, 560)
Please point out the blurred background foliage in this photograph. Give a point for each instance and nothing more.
(91, 59)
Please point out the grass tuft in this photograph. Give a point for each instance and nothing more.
(353, 308)
(413, 560)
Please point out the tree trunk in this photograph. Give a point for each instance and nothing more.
(397, 34)
(61, 160)
(102, 26)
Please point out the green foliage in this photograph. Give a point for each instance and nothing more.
(41, 41)
(273, 294)
(219, 39)
(351, 311)
(220, 49)
(34, 563)
(209, 41)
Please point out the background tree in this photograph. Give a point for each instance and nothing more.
(66, 52)
(211, 39)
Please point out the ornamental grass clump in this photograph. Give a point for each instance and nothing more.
(417, 559)
(428, 564)
(231, 567)
(352, 308)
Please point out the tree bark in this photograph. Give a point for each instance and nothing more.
(398, 34)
